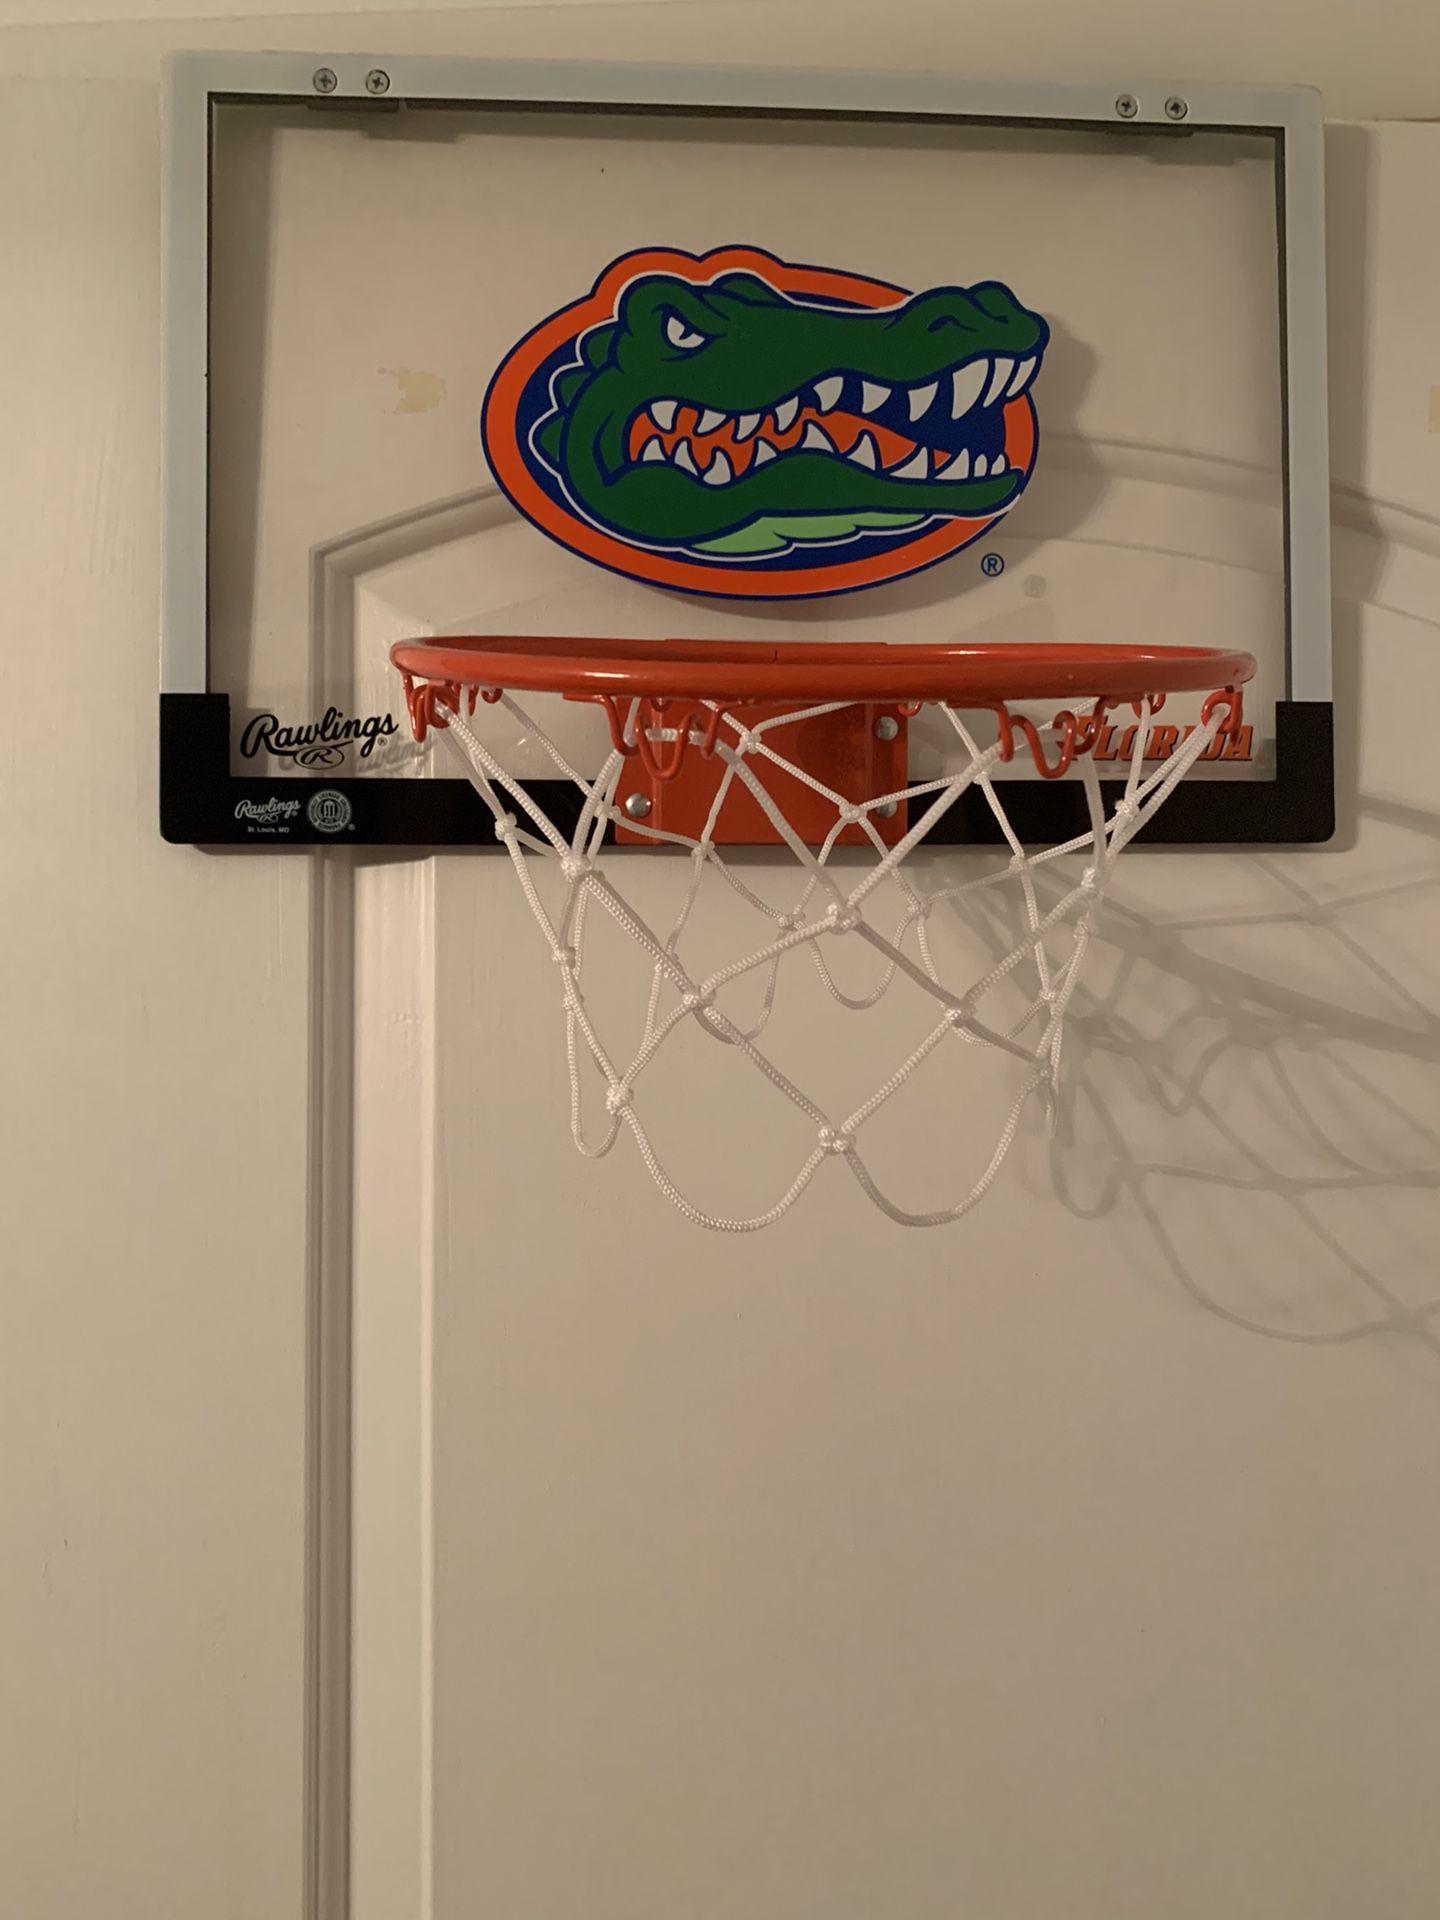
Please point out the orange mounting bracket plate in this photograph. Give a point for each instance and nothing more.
(856, 751)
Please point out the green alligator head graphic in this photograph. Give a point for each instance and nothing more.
(751, 429)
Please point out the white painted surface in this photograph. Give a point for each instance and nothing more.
(1380, 66)
(89, 13)
(860, 1573)
(156, 1053)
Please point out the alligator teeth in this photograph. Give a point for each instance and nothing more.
(684, 459)
(999, 379)
(998, 465)
(710, 419)
(959, 467)
(785, 413)
(662, 412)
(763, 452)
(872, 396)
(864, 453)
(916, 468)
(982, 466)
(653, 451)
(816, 439)
(718, 473)
(920, 398)
(745, 425)
(828, 391)
(1023, 374)
(966, 385)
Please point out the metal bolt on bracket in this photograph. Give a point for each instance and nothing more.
(323, 80)
(377, 81)
(1127, 106)
(1176, 108)
(637, 805)
(887, 727)
(886, 811)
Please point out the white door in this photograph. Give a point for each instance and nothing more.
(1060, 1562)
(406, 1516)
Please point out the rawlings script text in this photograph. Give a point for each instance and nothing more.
(316, 743)
(267, 813)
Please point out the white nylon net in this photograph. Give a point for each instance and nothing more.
(831, 903)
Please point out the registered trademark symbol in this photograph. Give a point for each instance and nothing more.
(992, 565)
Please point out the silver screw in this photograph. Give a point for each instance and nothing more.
(885, 812)
(323, 80)
(887, 727)
(637, 805)
(1127, 106)
(377, 81)
(1176, 108)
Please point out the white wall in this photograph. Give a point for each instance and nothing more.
(1381, 63)
(1240, 1498)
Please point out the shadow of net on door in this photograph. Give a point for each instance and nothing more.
(1255, 1087)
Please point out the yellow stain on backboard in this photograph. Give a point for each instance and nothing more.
(419, 392)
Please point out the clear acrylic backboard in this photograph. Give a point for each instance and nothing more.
(1095, 315)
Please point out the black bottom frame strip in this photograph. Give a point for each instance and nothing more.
(203, 804)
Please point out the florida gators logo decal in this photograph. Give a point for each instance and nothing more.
(730, 423)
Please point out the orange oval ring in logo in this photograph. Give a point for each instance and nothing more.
(607, 356)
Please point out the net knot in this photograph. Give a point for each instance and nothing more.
(745, 740)
(617, 1097)
(960, 1015)
(695, 1002)
(575, 866)
(835, 1140)
(841, 919)
(505, 828)
(1125, 809)
(789, 922)
(850, 815)
(563, 957)
(1089, 880)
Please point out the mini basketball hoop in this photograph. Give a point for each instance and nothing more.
(803, 745)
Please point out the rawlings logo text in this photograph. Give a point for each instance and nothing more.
(316, 743)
